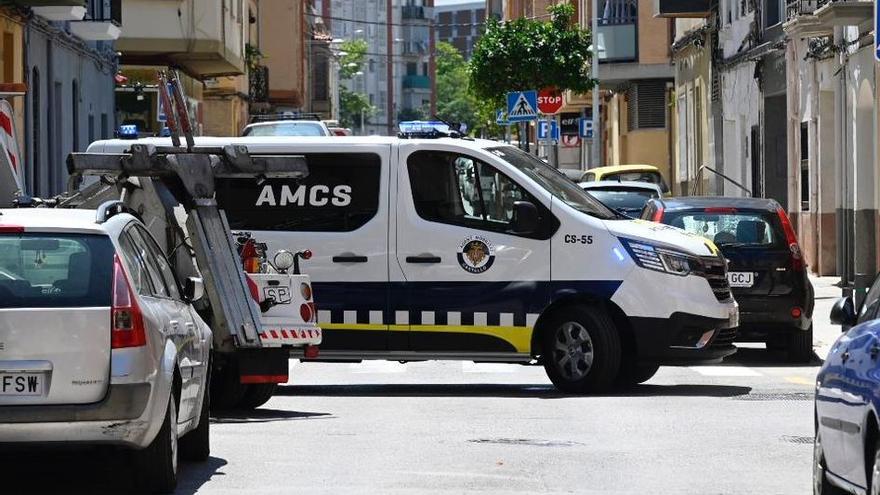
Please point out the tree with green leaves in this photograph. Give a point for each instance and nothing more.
(351, 103)
(455, 100)
(525, 54)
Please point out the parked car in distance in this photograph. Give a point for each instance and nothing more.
(340, 131)
(846, 448)
(101, 343)
(574, 174)
(287, 128)
(626, 197)
(767, 272)
(635, 173)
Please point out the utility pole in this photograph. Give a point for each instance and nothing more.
(594, 70)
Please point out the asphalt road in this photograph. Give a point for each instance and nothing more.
(744, 427)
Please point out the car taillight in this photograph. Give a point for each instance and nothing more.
(127, 321)
(11, 229)
(797, 259)
(658, 214)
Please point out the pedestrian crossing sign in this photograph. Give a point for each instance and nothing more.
(522, 106)
(501, 117)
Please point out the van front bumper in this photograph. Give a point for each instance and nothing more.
(121, 418)
(684, 338)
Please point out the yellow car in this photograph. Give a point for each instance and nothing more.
(637, 173)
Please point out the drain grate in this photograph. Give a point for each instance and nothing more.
(796, 439)
(526, 441)
(777, 396)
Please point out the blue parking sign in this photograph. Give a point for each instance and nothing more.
(585, 128)
(548, 130)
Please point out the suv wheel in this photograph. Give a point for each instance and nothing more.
(800, 345)
(581, 349)
(157, 464)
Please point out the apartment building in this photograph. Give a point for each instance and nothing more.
(397, 76)
(460, 24)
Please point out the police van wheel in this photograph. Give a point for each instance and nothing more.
(581, 350)
(633, 374)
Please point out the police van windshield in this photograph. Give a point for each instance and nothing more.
(553, 181)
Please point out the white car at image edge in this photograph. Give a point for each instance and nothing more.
(99, 342)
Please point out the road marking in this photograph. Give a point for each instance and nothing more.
(800, 380)
(724, 371)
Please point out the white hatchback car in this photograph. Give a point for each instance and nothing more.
(99, 343)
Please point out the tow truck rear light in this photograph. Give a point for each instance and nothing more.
(11, 229)
(250, 258)
(658, 214)
(252, 265)
(127, 321)
(311, 351)
(796, 312)
(797, 259)
(305, 311)
(254, 290)
(306, 291)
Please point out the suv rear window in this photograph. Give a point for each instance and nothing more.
(734, 228)
(55, 270)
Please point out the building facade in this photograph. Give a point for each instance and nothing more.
(460, 24)
(832, 136)
(398, 73)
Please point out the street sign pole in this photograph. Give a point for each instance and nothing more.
(594, 69)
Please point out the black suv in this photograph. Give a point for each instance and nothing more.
(767, 272)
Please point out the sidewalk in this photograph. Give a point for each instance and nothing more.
(824, 333)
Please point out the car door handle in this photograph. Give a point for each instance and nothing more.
(874, 351)
(423, 259)
(349, 259)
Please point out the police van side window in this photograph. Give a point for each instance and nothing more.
(341, 194)
(459, 190)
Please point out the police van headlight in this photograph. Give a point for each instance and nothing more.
(661, 259)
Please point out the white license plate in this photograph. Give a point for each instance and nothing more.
(21, 384)
(741, 279)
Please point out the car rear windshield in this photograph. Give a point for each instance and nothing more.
(731, 228)
(625, 199)
(286, 129)
(652, 177)
(55, 270)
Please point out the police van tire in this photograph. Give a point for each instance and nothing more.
(800, 346)
(633, 374)
(256, 395)
(581, 349)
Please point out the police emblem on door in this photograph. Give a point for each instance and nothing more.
(476, 254)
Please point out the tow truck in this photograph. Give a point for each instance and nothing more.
(258, 317)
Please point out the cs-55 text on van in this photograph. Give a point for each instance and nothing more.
(474, 250)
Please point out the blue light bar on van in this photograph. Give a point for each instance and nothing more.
(422, 127)
(128, 131)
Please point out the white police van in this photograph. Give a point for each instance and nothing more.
(474, 250)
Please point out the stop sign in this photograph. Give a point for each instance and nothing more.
(549, 101)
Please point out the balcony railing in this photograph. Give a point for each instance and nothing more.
(416, 82)
(795, 8)
(258, 80)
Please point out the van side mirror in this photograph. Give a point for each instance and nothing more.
(193, 289)
(844, 312)
(525, 217)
